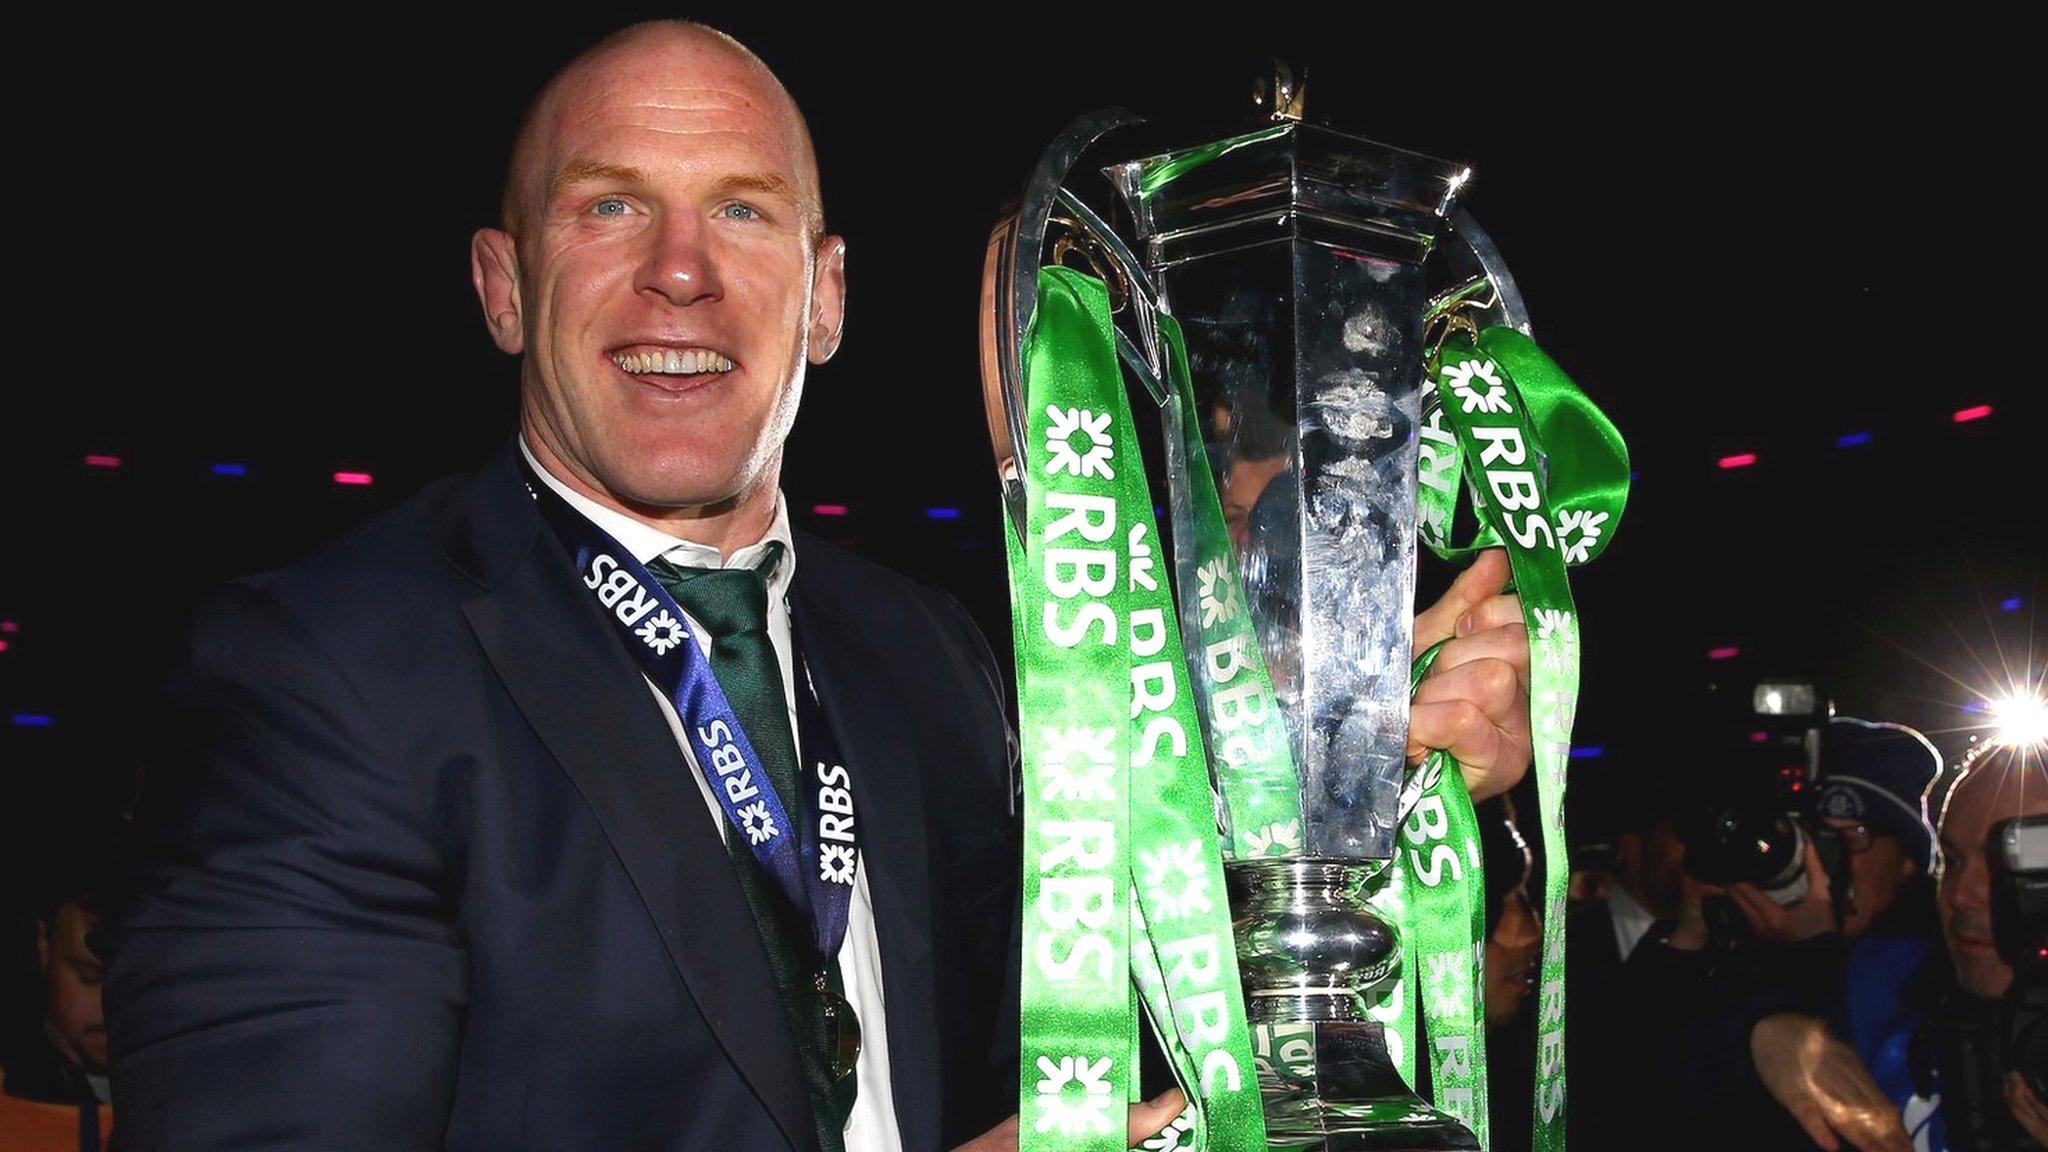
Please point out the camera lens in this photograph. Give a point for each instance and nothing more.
(1751, 844)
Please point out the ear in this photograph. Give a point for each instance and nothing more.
(828, 299)
(494, 269)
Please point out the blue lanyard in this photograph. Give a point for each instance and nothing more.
(814, 864)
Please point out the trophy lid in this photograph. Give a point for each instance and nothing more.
(1287, 180)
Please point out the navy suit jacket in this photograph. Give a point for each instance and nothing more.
(427, 870)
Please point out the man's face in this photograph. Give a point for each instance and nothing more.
(1243, 484)
(1876, 874)
(1983, 799)
(668, 281)
(71, 987)
(1652, 867)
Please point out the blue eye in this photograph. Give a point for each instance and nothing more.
(609, 208)
(739, 212)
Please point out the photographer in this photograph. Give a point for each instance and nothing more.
(1831, 936)
(1650, 1049)
(1829, 1026)
(1883, 986)
(1974, 1022)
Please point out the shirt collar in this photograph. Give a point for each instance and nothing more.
(646, 542)
(1631, 920)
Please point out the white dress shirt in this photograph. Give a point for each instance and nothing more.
(1631, 920)
(872, 1127)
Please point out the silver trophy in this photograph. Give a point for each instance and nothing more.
(1307, 269)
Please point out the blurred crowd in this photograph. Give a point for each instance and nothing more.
(1814, 938)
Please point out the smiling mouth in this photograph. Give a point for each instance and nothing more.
(671, 369)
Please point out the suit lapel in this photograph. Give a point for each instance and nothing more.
(582, 693)
(872, 724)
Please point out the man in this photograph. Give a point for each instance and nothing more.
(53, 1093)
(1868, 793)
(1629, 999)
(1990, 786)
(1851, 1058)
(1669, 1019)
(447, 877)
(1649, 862)
(1832, 1024)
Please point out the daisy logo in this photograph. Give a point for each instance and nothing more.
(1555, 624)
(661, 633)
(1141, 561)
(1216, 592)
(1176, 884)
(1577, 532)
(1092, 429)
(1445, 982)
(1077, 764)
(1275, 839)
(756, 823)
(1179, 1132)
(1477, 385)
(835, 864)
(1071, 1113)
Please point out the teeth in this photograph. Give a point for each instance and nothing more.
(670, 362)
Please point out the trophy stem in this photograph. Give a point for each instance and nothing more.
(1308, 947)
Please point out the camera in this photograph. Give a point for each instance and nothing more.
(1749, 816)
(2019, 928)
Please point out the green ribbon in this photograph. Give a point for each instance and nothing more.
(1247, 733)
(1123, 884)
(1442, 881)
(1585, 461)
(1123, 872)
(1548, 476)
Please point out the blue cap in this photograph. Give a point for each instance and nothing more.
(1874, 773)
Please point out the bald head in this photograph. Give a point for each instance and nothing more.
(671, 52)
(665, 278)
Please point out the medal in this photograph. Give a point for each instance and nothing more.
(842, 1029)
(813, 865)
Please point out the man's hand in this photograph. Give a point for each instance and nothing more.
(2026, 1107)
(1146, 1120)
(1823, 1084)
(1780, 924)
(1474, 703)
(1691, 933)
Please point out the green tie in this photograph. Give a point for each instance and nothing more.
(731, 604)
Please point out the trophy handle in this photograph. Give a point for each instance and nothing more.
(1480, 285)
(1009, 292)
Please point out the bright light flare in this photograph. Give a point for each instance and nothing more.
(2020, 719)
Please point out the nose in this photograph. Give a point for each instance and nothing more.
(1968, 884)
(679, 265)
(1518, 927)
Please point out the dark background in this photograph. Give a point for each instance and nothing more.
(1734, 240)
